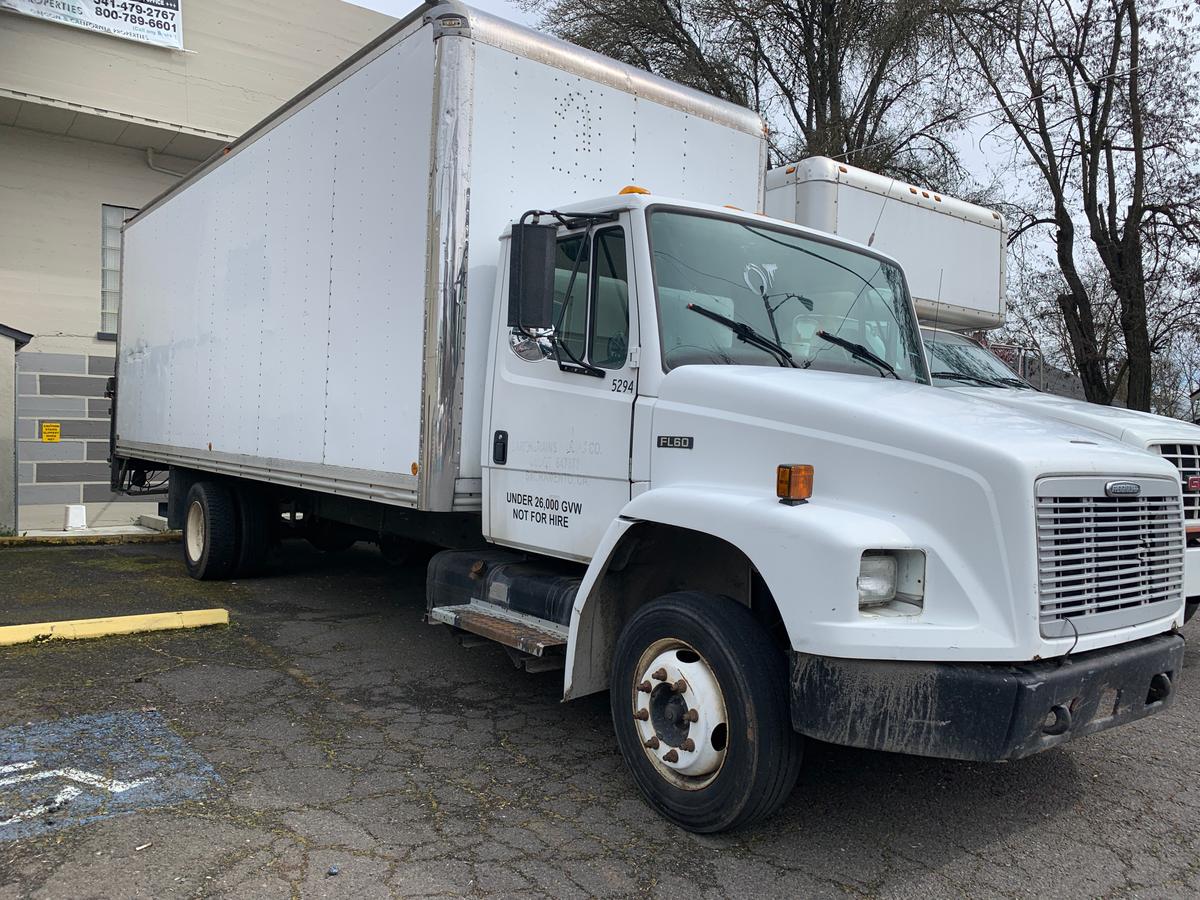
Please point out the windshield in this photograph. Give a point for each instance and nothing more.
(955, 354)
(828, 307)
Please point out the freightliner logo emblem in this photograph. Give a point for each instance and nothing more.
(1122, 489)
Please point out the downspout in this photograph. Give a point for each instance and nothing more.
(157, 168)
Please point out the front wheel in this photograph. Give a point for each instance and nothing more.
(699, 698)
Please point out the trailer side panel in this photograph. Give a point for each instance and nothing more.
(271, 311)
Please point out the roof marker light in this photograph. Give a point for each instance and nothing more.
(632, 189)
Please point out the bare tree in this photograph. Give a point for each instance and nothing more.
(871, 82)
(1173, 322)
(1099, 95)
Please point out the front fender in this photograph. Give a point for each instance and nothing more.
(808, 556)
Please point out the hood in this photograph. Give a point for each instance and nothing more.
(933, 422)
(1127, 425)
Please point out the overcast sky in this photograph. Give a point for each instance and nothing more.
(400, 8)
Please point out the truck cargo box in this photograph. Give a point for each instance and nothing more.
(953, 252)
(310, 307)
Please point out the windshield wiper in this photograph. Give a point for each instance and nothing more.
(1017, 383)
(858, 351)
(748, 335)
(962, 376)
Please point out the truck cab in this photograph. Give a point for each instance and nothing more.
(728, 422)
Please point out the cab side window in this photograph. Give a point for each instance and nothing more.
(571, 312)
(609, 341)
(594, 319)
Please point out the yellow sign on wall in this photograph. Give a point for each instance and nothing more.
(51, 432)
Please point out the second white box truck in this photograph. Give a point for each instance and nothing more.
(954, 253)
(687, 453)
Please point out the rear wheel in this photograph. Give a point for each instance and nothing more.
(330, 537)
(699, 699)
(400, 552)
(210, 531)
(257, 513)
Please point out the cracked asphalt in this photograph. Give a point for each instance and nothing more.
(346, 733)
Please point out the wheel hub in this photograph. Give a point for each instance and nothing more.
(194, 531)
(679, 712)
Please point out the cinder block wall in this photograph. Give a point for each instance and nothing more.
(8, 485)
(68, 389)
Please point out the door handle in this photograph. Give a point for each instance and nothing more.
(500, 448)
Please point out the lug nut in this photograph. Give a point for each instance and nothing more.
(691, 715)
(642, 715)
(660, 675)
(653, 743)
(688, 744)
(671, 755)
(680, 686)
(644, 687)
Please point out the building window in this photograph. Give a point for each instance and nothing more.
(111, 220)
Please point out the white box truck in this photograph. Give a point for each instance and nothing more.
(953, 253)
(687, 453)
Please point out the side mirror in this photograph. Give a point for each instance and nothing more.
(531, 276)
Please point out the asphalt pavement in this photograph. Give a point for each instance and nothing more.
(328, 744)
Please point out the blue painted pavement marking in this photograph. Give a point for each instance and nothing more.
(58, 774)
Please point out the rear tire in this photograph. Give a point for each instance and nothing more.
(330, 537)
(399, 552)
(255, 530)
(210, 531)
(719, 751)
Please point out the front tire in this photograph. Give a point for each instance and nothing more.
(210, 531)
(699, 697)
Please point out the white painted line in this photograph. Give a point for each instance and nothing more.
(112, 785)
(17, 767)
(66, 795)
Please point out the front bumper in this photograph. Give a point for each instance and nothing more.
(982, 711)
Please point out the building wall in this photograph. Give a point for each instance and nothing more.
(51, 192)
(8, 391)
(80, 113)
(243, 60)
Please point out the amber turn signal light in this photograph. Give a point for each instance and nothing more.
(793, 484)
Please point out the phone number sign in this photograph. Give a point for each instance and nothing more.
(158, 22)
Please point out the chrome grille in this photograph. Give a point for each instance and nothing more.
(1186, 458)
(1106, 562)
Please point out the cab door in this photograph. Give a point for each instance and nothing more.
(556, 458)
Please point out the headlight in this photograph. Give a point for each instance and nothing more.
(876, 579)
(891, 582)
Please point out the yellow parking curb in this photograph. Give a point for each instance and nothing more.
(83, 540)
(76, 629)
